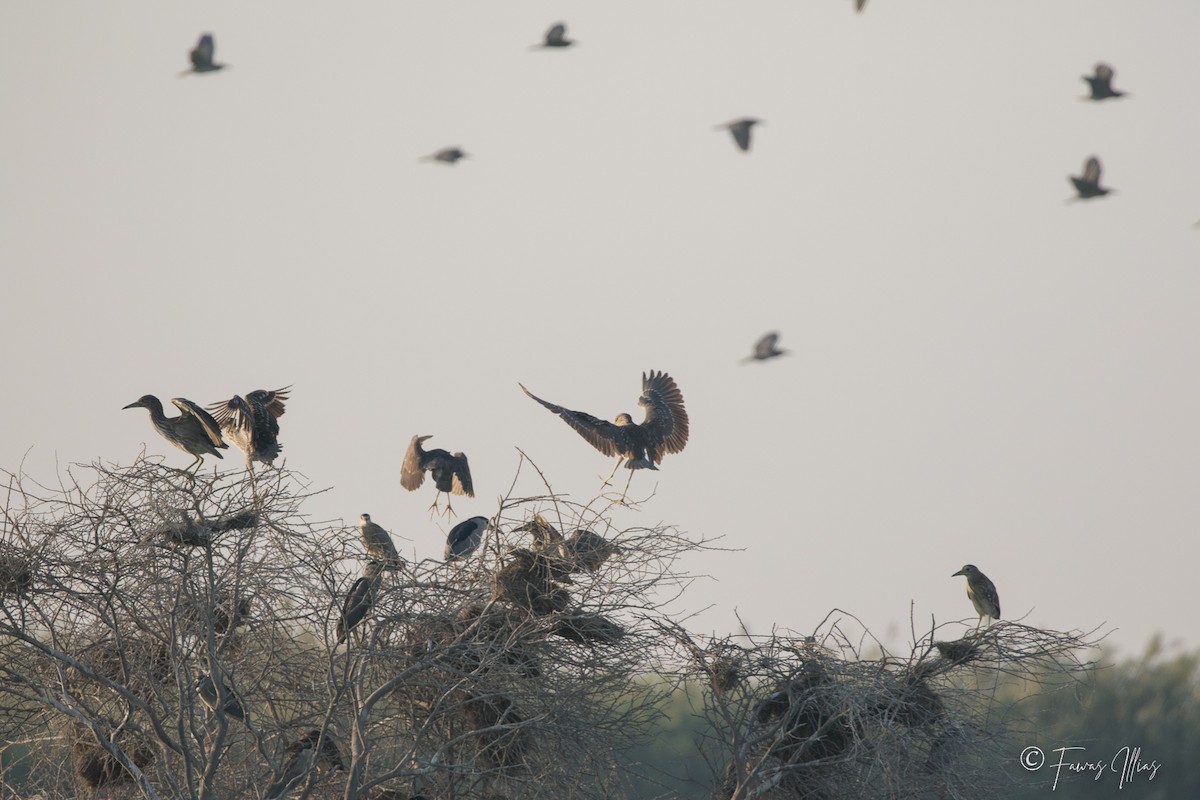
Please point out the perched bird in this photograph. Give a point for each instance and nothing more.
(588, 551)
(232, 704)
(464, 538)
(556, 36)
(202, 57)
(982, 593)
(1101, 83)
(447, 155)
(766, 348)
(664, 430)
(359, 600)
(740, 128)
(1088, 185)
(194, 431)
(378, 543)
(310, 751)
(451, 473)
(252, 424)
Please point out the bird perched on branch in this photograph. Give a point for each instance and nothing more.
(556, 36)
(664, 430)
(232, 704)
(582, 551)
(202, 57)
(378, 543)
(252, 424)
(450, 471)
(194, 431)
(464, 538)
(311, 751)
(740, 130)
(1088, 184)
(359, 600)
(766, 348)
(447, 155)
(1101, 83)
(982, 593)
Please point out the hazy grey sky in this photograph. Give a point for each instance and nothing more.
(980, 372)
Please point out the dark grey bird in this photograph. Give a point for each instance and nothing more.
(311, 751)
(740, 129)
(464, 538)
(982, 593)
(252, 423)
(859, 5)
(1101, 83)
(451, 472)
(556, 36)
(232, 704)
(663, 431)
(447, 155)
(194, 431)
(359, 600)
(378, 543)
(202, 57)
(1088, 184)
(766, 347)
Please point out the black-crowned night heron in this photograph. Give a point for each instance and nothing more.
(556, 36)
(766, 347)
(359, 600)
(311, 751)
(1101, 83)
(740, 129)
(231, 704)
(194, 431)
(582, 551)
(1088, 184)
(252, 424)
(378, 543)
(982, 593)
(202, 56)
(447, 155)
(664, 430)
(464, 538)
(450, 471)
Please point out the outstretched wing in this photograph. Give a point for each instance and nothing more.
(202, 54)
(1091, 170)
(606, 437)
(210, 426)
(412, 475)
(271, 401)
(233, 413)
(461, 472)
(765, 347)
(555, 34)
(666, 423)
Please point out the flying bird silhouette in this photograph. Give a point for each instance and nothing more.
(1088, 184)
(556, 36)
(664, 430)
(194, 431)
(451, 472)
(447, 155)
(765, 348)
(1101, 83)
(202, 57)
(464, 538)
(740, 129)
(252, 424)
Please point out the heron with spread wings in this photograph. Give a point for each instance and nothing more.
(1088, 184)
(740, 130)
(251, 423)
(451, 472)
(202, 56)
(556, 36)
(638, 446)
(766, 347)
(194, 431)
(1100, 84)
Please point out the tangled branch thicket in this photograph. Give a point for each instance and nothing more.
(164, 635)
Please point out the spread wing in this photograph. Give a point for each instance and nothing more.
(555, 34)
(606, 437)
(666, 423)
(461, 472)
(1091, 170)
(765, 347)
(202, 55)
(1104, 73)
(233, 413)
(272, 401)
(412, 475)
(210, 426)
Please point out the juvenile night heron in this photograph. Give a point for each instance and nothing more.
(450, 471)
(194, 431)
(378, 543)
(447, 155)
(464, 538)
(231, 704)
(1088, 184)
(664, 430)
(740, 129)
(311, 751)
(582, 551)
(202, 57)
(1101, 83)
(252, 424)
(765, 348)
(982, 593)
(556, 36)
(359, 600)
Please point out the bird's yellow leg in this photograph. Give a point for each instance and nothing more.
(614, 472)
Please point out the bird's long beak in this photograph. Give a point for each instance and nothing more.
(134, 404)
(960, 572)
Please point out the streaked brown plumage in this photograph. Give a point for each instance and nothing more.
(252, 424)
(982, 593)
(194, 431)
(378, 543)
(450, 471)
